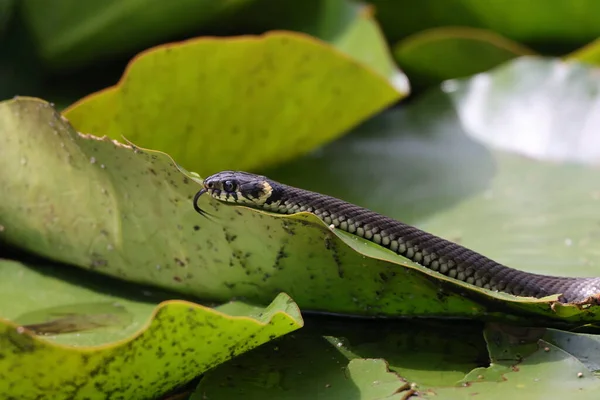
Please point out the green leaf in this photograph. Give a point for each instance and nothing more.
(107, 340)
(364, 41)
(348, 25)
(375, 381)
(306, 364)
(128, 213)
(176, 97)
(464, 51)
(111, 195)
(589, 54)
(426, 358)
(411, 349)
(554, 25)
(71, 32)
(525, 364)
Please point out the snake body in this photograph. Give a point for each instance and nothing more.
(433, 252)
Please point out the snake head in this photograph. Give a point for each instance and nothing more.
(236, 187)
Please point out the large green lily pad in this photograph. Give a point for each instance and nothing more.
(302, 363)
(128, 213)
(248, 101)
(423, 358)
(101, 338)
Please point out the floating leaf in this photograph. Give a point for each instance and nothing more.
(302, 364)
(364, 41)
(268, 99)
(348, 25)
(128, 213)
(411, 349)
(111, 195)
(526, 364)
(161, 346)
(426, 359)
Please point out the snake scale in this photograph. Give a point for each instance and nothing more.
(433, 252)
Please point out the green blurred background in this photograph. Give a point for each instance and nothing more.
(62, 50)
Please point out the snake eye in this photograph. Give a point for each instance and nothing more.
(229, 186)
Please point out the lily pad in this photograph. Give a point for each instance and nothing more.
(160, 346)
(270, 98)
(425, 359)
(348, 25)
(525, 364)
(376, 381)
(465, 51)
(128, 213)
(364, 41)
(302, 364)
(430, 352)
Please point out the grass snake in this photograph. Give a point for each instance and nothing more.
(433, 252)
